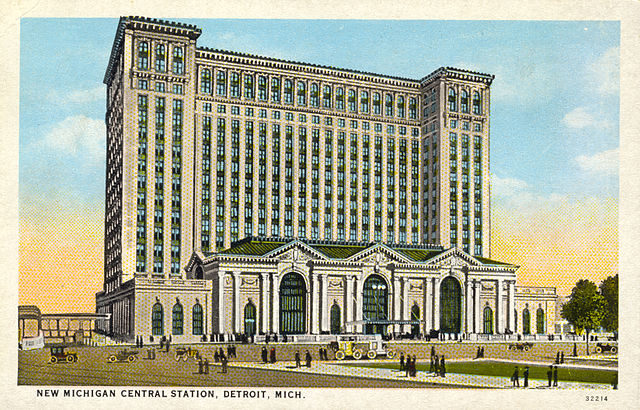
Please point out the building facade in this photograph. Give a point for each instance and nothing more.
(207, 147)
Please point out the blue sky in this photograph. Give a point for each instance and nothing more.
(554, 126)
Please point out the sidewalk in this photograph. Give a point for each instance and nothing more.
(455, 380)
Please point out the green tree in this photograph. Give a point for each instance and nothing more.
(609, 291)
(585, 308)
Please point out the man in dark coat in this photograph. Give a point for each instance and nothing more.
(206, 366)
(200, 366)
(225, 363)
(414, 371)
(297, 357)
(407, 366)
(433, 350)
(555, 376)
(307, 358)
(401, 361)
(436, 365)
(265, 354)
(550, 374)
(526, 377)
(431, 366)
(558, 358)
(514, 378)
(575, 350)
(272, 355)
(562, 357)
(443, 369)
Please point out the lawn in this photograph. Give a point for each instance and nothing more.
(505, 369)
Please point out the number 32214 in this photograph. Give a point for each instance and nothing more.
(596, 398)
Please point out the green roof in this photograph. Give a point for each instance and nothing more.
(254, 248)
(486, 261)
(338, 251)
(419, 255)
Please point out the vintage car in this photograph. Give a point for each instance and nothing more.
(526, 346)
(183, 353)
(352, 347)
(606, 347)
(123, 355)
(60, 355)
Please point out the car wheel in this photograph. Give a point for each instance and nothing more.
(357, 354)
(391, 354)
(70, 359)
(131, 359)
(111, 359)
(371, 354)
(598, 349)
(614, 349)
(340, 355)
(53, 359)
(526, 348)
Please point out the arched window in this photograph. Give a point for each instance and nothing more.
(401, 106)
(178, 60)
(161, 58)
(199, 273)
(388, 104)
(288, 91)
(335, 319)
(157, 320)
(143, 55)
(221, 83)
(477, 103)
(177, 319)
(313, 95)
(375, 303)
(250, 319)
(364, 101)
(464, 101)
(526, 322)
(413, 109)
(326, 96)
(262, 88)
(340, 98)
(450, 305)
(376, 103)
(205, 81)
(292, 304)
(197, 320)
(275, 89)
(452, 100)
(540, 321)
(302, 93)
(234, 85)
(415, 315)
(352, 100)
(488, 321)
(249, 90)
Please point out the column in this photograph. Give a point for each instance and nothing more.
(324, 300)
(436, 303)
(396, 302)
(315, 304)
(348, 303)
(511, 306)
(264, 303)
(236, 303)
(427, 304)
(477, 288)
(359, 286)
(406, 315)
(275, 303)
(468, 300)
(221, 328)
(499, 307)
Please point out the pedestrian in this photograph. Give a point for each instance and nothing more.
(275, 338)
(414, 371)
(443, 369)
(482, 352)
(161, 344)
(297, 357)
(550, 375)
(478, 353)
(562, 357)
(307, 358)
(206, 366)
(225, 362)
(401, 361)
(436, 365)
(200, 366)
(514, 378)
(433, 350)
(555, 376)
(407, 366)
(167, 344)
(229, 352)
(575, 350)
(526, 377)
(265, 355)
(221, 353)
(431, 366)
(558, 358)
(216, 356)
(272, 355)
(320, 354)
(266, 338)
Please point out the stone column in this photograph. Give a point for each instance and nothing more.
(499, 307)
(396, 302)
(427, 304)
(221, 312)
(468, 299)
(264, 303)
(359, 287)
(511, 306)
(436, 303)
(406, 315)
(324, 300)
(348, 303)
(477, 287)
(236, 303)
(315, 304)
(275, 304)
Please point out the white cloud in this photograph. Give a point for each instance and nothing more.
(78, 135)
(604, 163)
(85, 96)
(578, 118)
(605, 72)
(507, 186)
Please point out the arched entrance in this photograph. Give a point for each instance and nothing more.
(293, 293)
(540, 321)
(450, 305)
(375, 303)
(250, 319)
(526, 322)
(335, 319)
(488, 321)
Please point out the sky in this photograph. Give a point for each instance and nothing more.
(554, 134)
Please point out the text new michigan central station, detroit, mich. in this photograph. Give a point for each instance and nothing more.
(174, 393)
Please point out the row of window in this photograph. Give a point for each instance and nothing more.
(487, 316)
(161, 59)
(464, 101)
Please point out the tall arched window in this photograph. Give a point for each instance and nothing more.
(364, 101)
(326, 96)
(540, 321)
(477, 103)
(413, 108)
(249, 89)
(340, 98)
(401, 106)
(221, 83)
(388, 104)
(452, 100)
(157, 320)
(199, 273)
(250, 319)
(234, 85)
(178, 60)
(415, 315)
(177, 319)
(526, 322)
(464, 101)
(262, 88)
(313, 95)
(488, 321)
(335, 319)
(375, 303)
(352, 100)
(376, 103)
(197, 320)
(161, 58)
(293, 293)
(205, 81)
(450, 305)
(302, 93)
(288, 91)
(143, 55)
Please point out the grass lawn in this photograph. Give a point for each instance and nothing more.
(490, 368)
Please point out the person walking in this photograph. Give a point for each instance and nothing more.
(200, 366)
(225, 363)
(402, 361)
(265, 354)
(414, 371)
(558, 358)
(167, 345)
(297, 358)
(433, 350)
(206, 366)
(436, 365)
(555, 376)
(550, 375)
(514, 378)
(307, 358)
(562, 357)
(575, 350)
(407, 366)
(431, 366)
(443, 368)
(526, 377)
(482, 352)
(272, 355)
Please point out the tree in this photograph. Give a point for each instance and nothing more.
(609, 291)
(585, 308)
